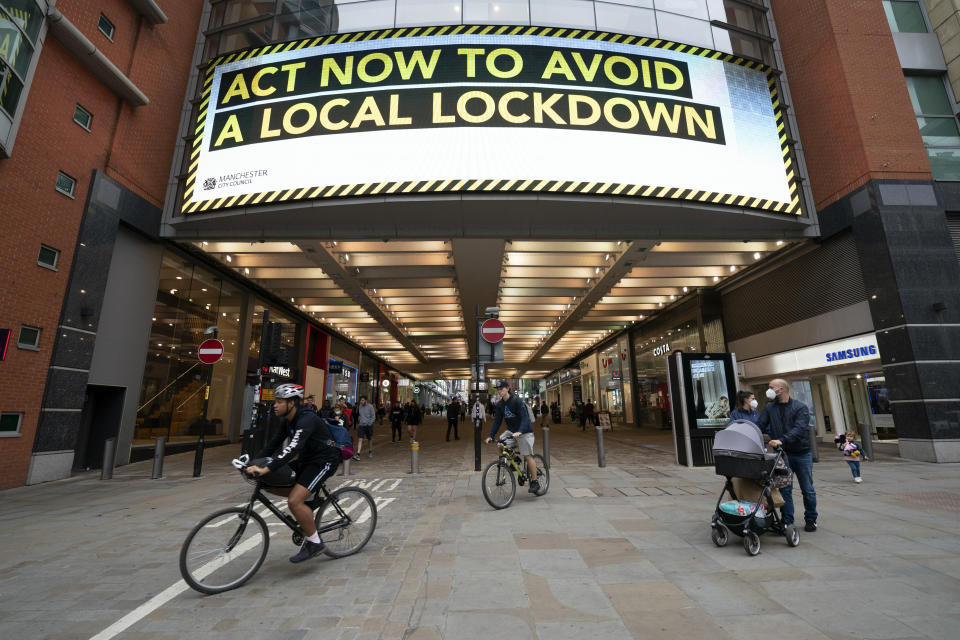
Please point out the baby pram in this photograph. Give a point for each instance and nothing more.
(739, 453)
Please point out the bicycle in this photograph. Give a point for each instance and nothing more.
(500, 487)
(218, 555)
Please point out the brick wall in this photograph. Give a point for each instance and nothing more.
(850, 98)
(134, 146)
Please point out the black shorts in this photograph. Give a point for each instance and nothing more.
(312, 474)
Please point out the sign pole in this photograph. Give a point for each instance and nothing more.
(476, 423)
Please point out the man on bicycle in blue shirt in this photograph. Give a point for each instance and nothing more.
(317, 459)
(512, 409)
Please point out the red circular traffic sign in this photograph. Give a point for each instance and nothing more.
(492, 330)
(210, 351)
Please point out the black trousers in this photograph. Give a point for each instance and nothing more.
(453, 424)
(395, 428)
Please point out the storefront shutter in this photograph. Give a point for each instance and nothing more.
(953, 223)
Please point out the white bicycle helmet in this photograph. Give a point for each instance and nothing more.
(288, 390)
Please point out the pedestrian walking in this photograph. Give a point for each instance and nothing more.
(478, 412)
(853, 454)
(396, 420)
(413, 419)
(787, 422)
(588, 413)
(365, 415)
(453, 419)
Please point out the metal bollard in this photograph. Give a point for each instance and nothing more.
(476, 445)
(109, 453)
(601, 455)
(198, 457)
(813, 444)
(414, 457)
(158, 452)
(546, 447)
(345, 467)
(866, 440)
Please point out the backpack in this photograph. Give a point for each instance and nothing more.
(341, 440)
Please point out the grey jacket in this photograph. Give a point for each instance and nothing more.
(366, 414)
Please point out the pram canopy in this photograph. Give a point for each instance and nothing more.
(740, 436)
(739, 451)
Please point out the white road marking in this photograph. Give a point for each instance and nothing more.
(180, 586)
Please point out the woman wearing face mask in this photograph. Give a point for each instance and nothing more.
(746, 407)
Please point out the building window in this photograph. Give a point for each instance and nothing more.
(29, 337)
(905, 16)
(744, 26)
(20, 23)
(938, 125)
(82, 117)
(10, 424)
(65, 184)
(48, 257)
(106, 27)
(745, 16)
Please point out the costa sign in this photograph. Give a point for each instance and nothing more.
(595, 113)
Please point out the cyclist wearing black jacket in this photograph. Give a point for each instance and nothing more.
(311, 443)
(512, 409)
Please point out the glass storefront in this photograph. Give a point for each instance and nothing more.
(193, 304)
(652, 347)
(609, 376)
(342, 382)
(865, 401)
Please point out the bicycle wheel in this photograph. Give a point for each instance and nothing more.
(499, 484)
(224, 550)
(356, 509)
(543, 474)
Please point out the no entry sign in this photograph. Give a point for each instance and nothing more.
(492, 330)
(210, 351)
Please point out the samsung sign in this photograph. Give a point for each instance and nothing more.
(865, 351)
(853, 350)
(594, 113)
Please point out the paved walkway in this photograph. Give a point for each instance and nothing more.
(617, 552)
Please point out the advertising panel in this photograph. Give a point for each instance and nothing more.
(449, 109)
(711, 393)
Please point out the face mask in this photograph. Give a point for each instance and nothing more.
(754, 404)
(771, 394)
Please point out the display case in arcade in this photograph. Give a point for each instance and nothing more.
(702, 388)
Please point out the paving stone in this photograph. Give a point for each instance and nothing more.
(632, 559)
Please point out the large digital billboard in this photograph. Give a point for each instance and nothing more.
(488, 109)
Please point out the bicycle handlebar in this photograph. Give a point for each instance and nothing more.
(241, 463)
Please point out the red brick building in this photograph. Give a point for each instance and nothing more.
(101, 92)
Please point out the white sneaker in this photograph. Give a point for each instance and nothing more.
(858, 480)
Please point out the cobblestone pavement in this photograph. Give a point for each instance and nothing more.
(622, 551)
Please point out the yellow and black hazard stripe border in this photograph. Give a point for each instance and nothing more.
(191, 205)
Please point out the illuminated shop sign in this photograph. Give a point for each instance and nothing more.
(593, 112)
(864, 351)
(662, 350)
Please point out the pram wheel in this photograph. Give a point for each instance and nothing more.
(719, 535)
(792, 535)
(751, 543)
